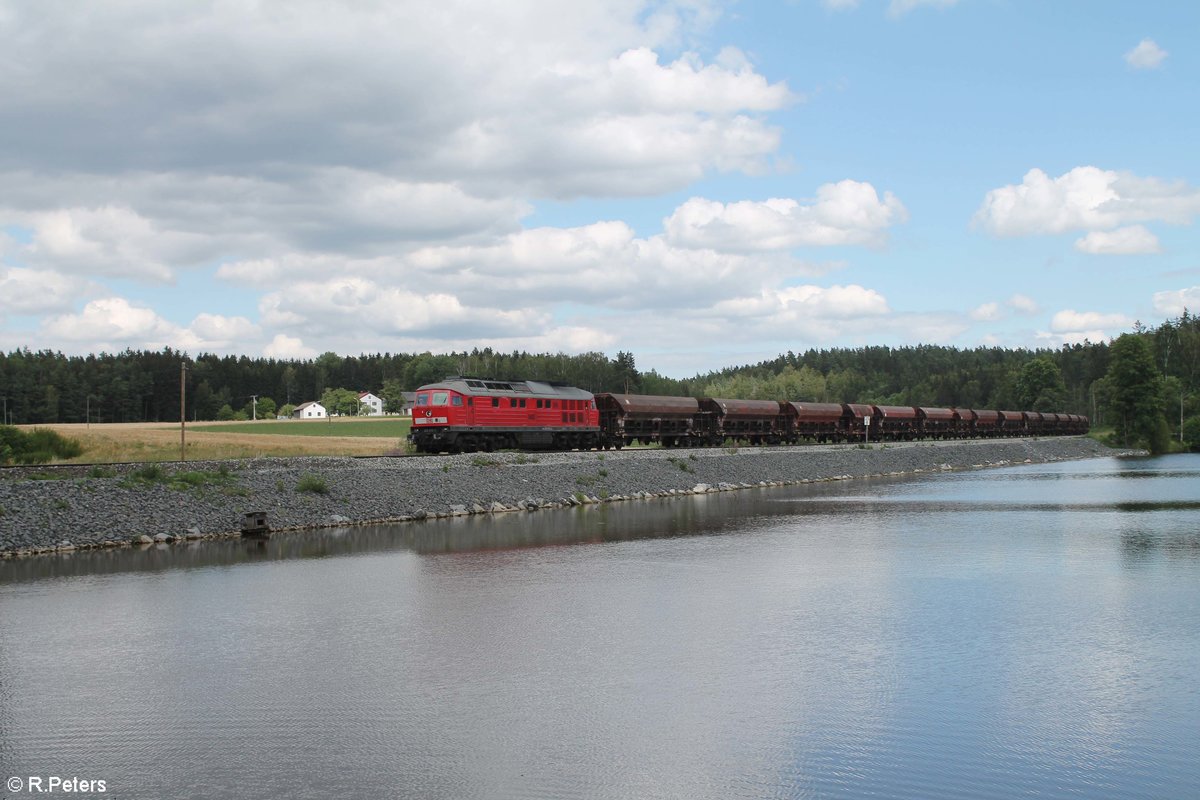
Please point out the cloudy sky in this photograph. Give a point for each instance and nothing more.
(701, 183)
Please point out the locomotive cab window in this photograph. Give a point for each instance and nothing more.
(495, 402)
(456, 400)
(422, 399)
(441, 398)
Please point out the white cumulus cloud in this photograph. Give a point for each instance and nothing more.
(1023, 304)
(1173, 303)
(1071, 320)
(285, 347)
(110, 240)
(113, 323)
(1130, 240)
(32, 291)
(352, 303)
(1086, 198)
(844, 213)
(563, 99)
(1058, 339)
(988, 312)
(1147, 55)
(111, 319)
(808, 302)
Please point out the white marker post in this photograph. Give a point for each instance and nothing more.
(866, 429)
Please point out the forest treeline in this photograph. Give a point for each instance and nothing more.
(135, 386)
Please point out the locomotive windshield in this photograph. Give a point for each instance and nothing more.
(422, 399)
(441, 398)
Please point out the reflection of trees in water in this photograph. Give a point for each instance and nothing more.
(1139, 546)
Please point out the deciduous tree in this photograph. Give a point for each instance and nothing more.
(1135, 393)
(1040, 386)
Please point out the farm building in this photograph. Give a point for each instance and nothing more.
(311, 410)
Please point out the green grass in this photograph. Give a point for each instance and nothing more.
(46, 476)
(484, 461)
(313, 484)
(222, 478)
(679, 462)
(394, 427)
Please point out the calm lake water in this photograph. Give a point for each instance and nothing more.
(1032, 631)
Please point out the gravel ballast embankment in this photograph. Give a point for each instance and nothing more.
(64, 508)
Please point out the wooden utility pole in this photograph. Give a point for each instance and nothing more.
(182, 411)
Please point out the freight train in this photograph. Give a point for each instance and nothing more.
(463, 414)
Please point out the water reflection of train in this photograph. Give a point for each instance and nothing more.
(463, 414)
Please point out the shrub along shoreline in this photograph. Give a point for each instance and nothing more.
(64, 508)
(38, 446)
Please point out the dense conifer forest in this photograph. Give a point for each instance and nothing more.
(136, 386)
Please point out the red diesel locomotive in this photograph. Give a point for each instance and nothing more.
(470, 414)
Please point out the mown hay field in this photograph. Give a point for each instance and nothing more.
(160, 441)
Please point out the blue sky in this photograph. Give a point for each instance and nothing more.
(701, 183)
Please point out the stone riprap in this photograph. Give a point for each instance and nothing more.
(47, 509)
